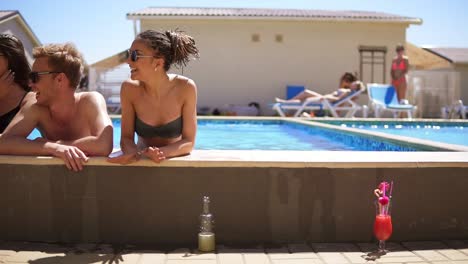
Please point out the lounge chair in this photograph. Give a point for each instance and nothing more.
(346, 104)
(455, 110)
(383, 97)
(113, 105)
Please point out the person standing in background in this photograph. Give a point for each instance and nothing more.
(398, 72)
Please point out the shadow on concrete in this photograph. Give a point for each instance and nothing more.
(72, 258)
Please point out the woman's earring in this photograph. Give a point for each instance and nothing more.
(155, 68)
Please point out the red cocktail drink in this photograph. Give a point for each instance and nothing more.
(383, 227)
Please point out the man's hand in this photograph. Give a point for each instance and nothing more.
(73, 157)
(155, 154)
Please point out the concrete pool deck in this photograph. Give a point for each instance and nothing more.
(436, 252)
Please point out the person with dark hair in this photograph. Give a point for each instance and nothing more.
(398, 72)
(73, 125)
(158, 106)
(14, 72)
(348, 83)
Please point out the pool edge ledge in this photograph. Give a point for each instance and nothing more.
(281, 159)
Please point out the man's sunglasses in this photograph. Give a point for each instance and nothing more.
(133, 55)
(34, 76)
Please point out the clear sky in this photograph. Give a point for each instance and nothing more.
(100, 29)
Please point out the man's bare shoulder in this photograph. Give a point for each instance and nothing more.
(30, 105)
(31, 110)
(29, 99)
(91, 95)
(90, 99)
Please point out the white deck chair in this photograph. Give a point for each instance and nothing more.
(383, 97)
(113, 105)
(346, 104)
(455, 110)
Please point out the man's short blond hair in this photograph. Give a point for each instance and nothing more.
(63, 58)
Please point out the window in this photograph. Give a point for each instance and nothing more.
(279, 38)
(255, 37)
(372, 64)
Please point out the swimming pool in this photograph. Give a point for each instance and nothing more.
(454, 132)
(280, 134)
(100, 201)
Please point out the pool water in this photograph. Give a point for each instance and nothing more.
(262, 136)
(440, 132)
(272, 135)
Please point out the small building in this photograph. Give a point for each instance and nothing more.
(421, 59)
(252, 55)
(458, 59)
(12, 22)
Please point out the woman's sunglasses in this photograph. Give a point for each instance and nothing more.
(133, 55)
(34, 76)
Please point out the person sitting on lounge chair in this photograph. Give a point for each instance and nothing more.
(348, 83)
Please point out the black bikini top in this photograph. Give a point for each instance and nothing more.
(6, 118)
(172, 129)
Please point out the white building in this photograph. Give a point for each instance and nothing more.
(252, 55)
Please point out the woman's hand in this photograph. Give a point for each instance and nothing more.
(124, 158)
(155, 154)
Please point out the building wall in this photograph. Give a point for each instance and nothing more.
(13, 27)
(463, 70)
(235, 70)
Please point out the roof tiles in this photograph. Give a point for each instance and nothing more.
(270, 13)
(454, 55)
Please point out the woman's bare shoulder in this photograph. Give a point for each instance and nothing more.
(91, 95)
(130, 87)
(90, 100)
(185, 85)
(130, 83)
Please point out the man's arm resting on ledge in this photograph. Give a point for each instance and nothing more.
(100, 145)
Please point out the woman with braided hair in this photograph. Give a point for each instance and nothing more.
(158, 106)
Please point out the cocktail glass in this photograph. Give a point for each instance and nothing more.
(383, 224)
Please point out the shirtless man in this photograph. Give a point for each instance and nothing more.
(73, 125)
